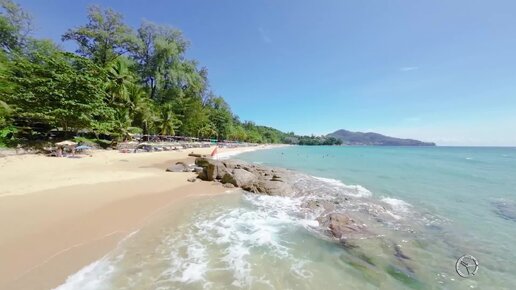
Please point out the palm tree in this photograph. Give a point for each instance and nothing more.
(120, 78)
(208, 131)
(168, 121)
(141, 108)
(122, 123)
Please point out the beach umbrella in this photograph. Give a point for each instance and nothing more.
(66, 143)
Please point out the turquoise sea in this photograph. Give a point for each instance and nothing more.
(445, 202)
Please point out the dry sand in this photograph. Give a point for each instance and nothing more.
(60, 214)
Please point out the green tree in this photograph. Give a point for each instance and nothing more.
(208, 130)
(168, 121)
(15, 26)
(141, 108)
(158, 51)
(104, 37)
(5, 89)
(120, 78)
(61, 90)
(220, 116)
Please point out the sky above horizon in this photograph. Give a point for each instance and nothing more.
(441, 71)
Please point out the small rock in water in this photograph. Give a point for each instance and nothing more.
(505, 209)
(339, 225)
(399, 254)
(319, 204)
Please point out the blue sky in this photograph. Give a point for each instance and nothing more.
(442, 71)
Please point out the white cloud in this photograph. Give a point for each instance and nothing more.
(265, 37)
(409, 68)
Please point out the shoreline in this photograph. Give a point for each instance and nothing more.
(58, 215)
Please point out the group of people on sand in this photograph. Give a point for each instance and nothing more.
(60, 152)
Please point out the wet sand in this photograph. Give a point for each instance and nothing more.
(59, 214)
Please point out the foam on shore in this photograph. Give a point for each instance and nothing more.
(352, 190)
(229, 154)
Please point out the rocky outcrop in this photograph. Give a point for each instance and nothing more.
(249, 177)
(334, 213)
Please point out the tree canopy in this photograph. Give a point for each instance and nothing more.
(119, 81)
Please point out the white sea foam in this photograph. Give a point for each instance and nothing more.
(399, 207)
(226, 241)
(188, 264)
(95, 276)
(229, 154)
(397, 204)
(351, 190)
(90, 277)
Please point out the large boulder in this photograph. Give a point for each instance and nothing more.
(211, 169)
(243, 178)
(274, 187)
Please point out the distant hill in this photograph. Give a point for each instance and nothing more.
(375, 139)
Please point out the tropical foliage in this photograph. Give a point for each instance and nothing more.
(119, 81)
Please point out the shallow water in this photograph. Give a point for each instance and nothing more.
(442, 203)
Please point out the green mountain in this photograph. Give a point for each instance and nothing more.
(375, 139)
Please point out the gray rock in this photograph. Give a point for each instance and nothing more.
(228, 185)
(246, 176)
(192, 179)
(505, 209)
(339, 225)
(209, 172)
(197, 169)
(178, 167)
(202, 162)
(242, 178)
(220, 170)
(324, 205)
(272, 187)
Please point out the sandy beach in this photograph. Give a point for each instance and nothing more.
(59, 214)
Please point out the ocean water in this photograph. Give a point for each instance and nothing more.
(423, 208)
